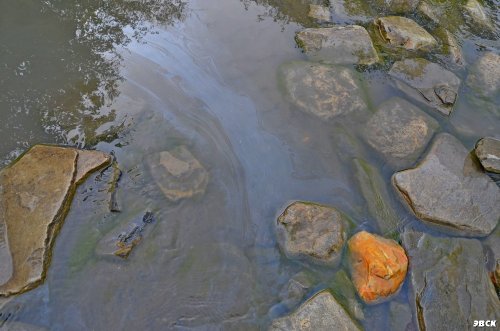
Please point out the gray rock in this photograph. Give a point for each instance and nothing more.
(178, 174)
(444, 294)
(35, 196)
(402, 32)
(121, 241)
(320, 13)
(338, 45)
(484, 76)
(478, 19)
(322, 90)
(488, 153)
(400, 131)
(450, 191)
(313, 232)
(427, 82)
(321, 312)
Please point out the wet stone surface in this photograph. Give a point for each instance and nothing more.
(488, 152)
(338, 45)
(405, 33)
(312, 232)
(322, 90)
(484, 76)
(450, 191)
(321, 312)
(444, 294)
(400, 131)
(427, 82)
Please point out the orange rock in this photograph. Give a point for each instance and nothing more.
(378, 266)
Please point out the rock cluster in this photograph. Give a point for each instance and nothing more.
(35, 194)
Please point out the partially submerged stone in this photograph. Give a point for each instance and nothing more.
(488, 152)
(178, 173)
(313, 232)
(449, 284)
(427, 82)
(321, 312)
(400, 131)
(338, 45)
(320, 13)
(121, 241)
(378, 266)
(88, 162)
(322, 90)
(404, 33)
(36, 193)
(484, 76)
(450, 47)
(478, 19)
(377, 198)
(449, 191)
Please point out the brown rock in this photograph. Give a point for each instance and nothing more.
(378, 266)
(312, 231)
(89, 161)
(35, 195)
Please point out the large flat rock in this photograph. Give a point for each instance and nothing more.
(322, 90)
(36, 193)
(400, 131)
(427, 82)
(321, 312)
(449, 284)
(450, 191)
(338, 45)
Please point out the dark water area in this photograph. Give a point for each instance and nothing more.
(135, 78)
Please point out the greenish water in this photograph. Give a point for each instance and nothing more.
(139, 77)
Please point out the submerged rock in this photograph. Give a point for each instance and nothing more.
(403, 32)
(478, 19)
(178, 174)
(322, 90)
(374, 190)
(36, 193)
(378, 266)
(344, 292)
(488, 152)
(397, 6)
(400, 131)
(295, 290)
(122, 241)
(320, 13)
(321, 312)
(427, 82)
(484, 76)
(448, 190)
(400, 316)
(338, 45)
(450, 47)
(449, 284)
(313, 232)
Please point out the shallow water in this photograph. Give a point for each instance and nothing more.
(203, 75)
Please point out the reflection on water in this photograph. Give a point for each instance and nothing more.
(61, 68)
(208, 82)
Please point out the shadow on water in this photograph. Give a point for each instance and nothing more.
(60, 66)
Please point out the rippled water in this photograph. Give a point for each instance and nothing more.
(135, 78)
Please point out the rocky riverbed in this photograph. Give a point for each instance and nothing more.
(300, 195)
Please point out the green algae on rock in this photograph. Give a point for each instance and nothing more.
(405, 33)
(338, 45)
(36, 194)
